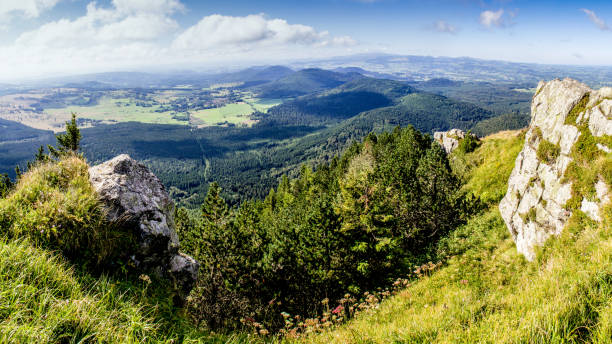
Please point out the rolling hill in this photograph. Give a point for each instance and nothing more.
(303, 82)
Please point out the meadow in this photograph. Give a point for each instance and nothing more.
(113, 110)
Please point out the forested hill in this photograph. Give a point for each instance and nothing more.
(426, 112)
(304, 82)
(335, 105)
(255, 169)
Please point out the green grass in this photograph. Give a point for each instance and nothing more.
(548, 152)
(579, 108)
(52, 289)
(235, 113)
(488, 293)
(108, 110)
(487, 169)
(55, 206)
(589, 164)
(262, 105)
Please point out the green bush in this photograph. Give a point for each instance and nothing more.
(469, 143)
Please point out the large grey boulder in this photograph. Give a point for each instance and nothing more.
(450, 139)
(137, 201)
(534, 208)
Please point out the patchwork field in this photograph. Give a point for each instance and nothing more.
(49, 109)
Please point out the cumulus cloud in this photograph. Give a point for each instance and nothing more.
(251, 31)
(148, 6)
(134, 34)
(100, 25)
(491, 19)
(600, 23)
(26, 8)
(442, 26)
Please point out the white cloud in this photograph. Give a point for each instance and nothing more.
(26, 8)
(442, 26)
(490, 19)
(99, 25)
(148, 6)
(218, 31)
(600, 23)
(138, 34)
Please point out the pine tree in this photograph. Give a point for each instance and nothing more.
(68, 142)
(5, 184)
(17, 172)
(214, 208)
(41, 156)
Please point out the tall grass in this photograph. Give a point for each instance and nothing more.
(53, 232)
(55, 206)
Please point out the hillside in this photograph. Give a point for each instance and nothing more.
(252, 168)
(487, 291)
(303, 82)
(538, 274)
(340, 103)
(50, 298)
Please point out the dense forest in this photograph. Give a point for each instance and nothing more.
(349, 226)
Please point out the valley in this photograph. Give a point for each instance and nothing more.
(248, 128)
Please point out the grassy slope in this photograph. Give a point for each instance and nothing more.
(46, 299)
(487, 292)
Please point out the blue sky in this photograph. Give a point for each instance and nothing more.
(53, 37)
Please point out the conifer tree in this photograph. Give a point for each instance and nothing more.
(17, 172)
(68, 142)
(41, 156)
(214, 208)
(5, 184)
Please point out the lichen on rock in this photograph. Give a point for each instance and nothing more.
(569, 124)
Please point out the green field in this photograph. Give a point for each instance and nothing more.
(124, 109)
(232, 113)
(109, 110)
(262, 105)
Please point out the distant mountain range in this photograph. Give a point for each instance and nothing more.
(396, 67)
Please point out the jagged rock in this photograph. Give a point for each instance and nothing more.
(137, 201)
(534, 208)
(449, 139)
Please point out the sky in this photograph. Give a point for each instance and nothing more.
(42, 38)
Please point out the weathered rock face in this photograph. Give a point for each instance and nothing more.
(449, 139)
(535, 206)
(137, 201)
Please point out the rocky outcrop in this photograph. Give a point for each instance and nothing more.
(137, 201)
(537, 204)
(450, 139)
